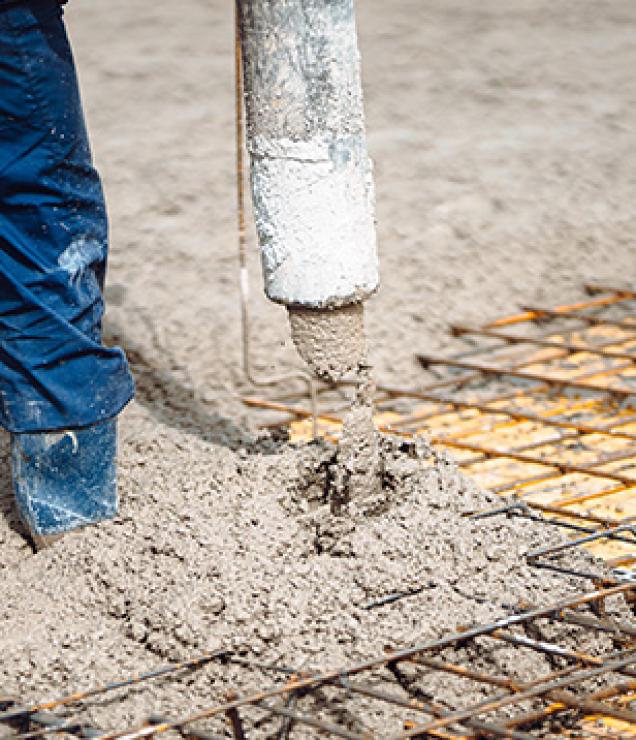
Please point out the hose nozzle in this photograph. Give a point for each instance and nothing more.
(331, 341)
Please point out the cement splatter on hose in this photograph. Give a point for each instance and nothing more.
(332, 342)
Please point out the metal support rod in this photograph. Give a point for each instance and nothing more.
(157, 719)
(556, 650)
(77, 696)
(556, 441)
(530, 314)
(50, 724)
(498, 702)
(554, 549)
(329, 677)
(238, 733)
(437, 710)
(459, 330)
(468, 673)
(563, 467)
(427, 360)
(310, 721)
(614, 629)
(588, 706)
(522, 510)
(534, 716)
(550, 313)
(522, 416)
(595, 288)
(462, 380)
(523, 362)
(584, 468)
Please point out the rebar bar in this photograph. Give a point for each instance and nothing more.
(76, 696)
(427, 360)
(530, 314)
(539, 313)
(595, 288)
(328, 678)
(498, 702)
(459, 330)
(505, 436)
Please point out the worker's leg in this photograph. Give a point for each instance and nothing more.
(54, 372)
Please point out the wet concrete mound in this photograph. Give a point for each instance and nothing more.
(262, 554)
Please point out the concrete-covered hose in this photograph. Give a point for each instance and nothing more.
(311, 175)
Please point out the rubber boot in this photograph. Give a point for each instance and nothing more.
(64, 480)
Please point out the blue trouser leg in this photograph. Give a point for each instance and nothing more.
(54, 372)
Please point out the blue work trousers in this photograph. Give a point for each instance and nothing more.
(54, 371)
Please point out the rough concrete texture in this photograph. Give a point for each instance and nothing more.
(332, 341)
(503, 137)
(242, 550)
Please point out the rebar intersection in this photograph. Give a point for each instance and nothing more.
(581, 687)
(544, 418)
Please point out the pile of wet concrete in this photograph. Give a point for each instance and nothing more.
(258, 551)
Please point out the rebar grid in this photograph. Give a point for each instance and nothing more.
(545, 418)
(578, 685)
(549, 425)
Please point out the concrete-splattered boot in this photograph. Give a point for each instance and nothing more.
(64, 480)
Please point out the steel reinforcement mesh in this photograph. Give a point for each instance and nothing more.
(539, 408)
(541, 413)
(580, 695)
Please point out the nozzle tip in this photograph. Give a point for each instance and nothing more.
(331, 341)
